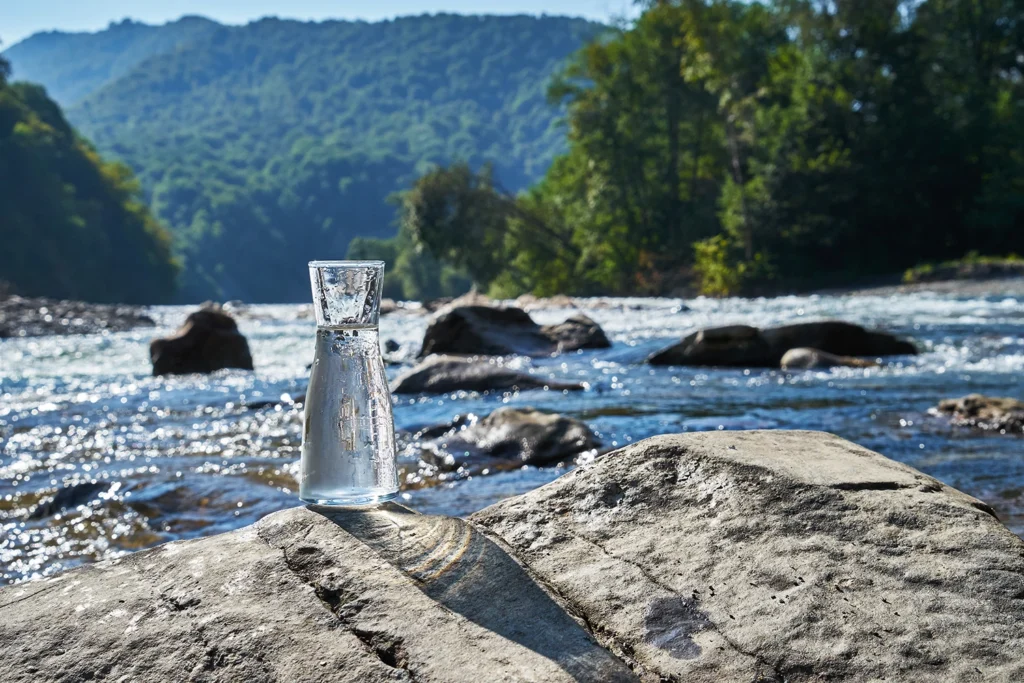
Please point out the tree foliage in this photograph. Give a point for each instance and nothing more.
(72, 224)
(796, 143)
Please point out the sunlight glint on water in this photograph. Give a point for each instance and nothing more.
(196, 455)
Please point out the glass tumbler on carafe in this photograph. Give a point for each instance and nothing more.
(348, 435)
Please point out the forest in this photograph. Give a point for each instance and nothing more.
(738, 147)
(266, 145)
(73, 225)
(711, 146)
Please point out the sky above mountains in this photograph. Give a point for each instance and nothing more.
(19, 20)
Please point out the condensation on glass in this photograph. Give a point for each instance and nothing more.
(348, 436)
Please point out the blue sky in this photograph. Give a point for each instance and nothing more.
(21, 18)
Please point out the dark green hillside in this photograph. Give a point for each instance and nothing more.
(74, 65)
(268, 144)
(71, 224)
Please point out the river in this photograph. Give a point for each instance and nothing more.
(181, 457)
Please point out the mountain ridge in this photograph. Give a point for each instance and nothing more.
(266, 144)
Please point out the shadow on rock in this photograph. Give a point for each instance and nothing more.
(466, 572)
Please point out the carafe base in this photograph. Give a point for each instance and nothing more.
(352, 499)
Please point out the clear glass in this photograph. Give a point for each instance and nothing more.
(348, 435)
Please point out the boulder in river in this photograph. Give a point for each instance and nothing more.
(807, 359)
(443, 374)
(509, 438)
(721, 556)
(986, 412)
(577, 332)
(208, 341)
(746, 346)
(501, 331)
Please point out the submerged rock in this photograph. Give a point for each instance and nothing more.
(775, 556)
(490, 331)
(208, 341)
(444, 374)
(746, 346)
(70, 497)
(807, 359)
(509, 438)
(722, 556)
(985, 412)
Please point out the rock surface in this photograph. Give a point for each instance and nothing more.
(775, 556)
(509, 438)
(490, 331)
(745, 346)
(577, 332)
(34, 317)
(386, 595)
(720, 556)
(444, 374)
(808, 359)
(208, 341)
(986, 412)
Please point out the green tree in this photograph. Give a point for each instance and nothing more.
(74, 225)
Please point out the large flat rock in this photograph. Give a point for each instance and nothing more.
(775, 556)
(724, 556)
(388, 595)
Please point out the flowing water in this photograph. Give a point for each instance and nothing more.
(180, 457)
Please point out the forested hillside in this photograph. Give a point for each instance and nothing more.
(73, 65)
(72, 225)
(268, 144)
(754, 147)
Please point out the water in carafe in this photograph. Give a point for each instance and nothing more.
(348, 439)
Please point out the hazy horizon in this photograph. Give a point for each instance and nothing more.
(20, 22)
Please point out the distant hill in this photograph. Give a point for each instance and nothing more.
(74, 65)
(268, 144)
(72, 225)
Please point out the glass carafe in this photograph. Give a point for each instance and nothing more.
(348, 435)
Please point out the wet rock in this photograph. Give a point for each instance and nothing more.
(444, 374)
(303, 595)
(486, 330)
(735, 345)
(837, 337)
(746, 346)
(388, 306)
(70, 497)
(775, 556)
(985, 412)
(208, 341)
(577, 332)
(390, 346)
(34, 317)
(509, 438)
(807, 359)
